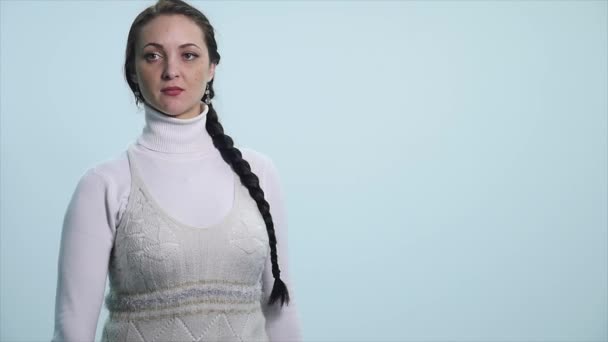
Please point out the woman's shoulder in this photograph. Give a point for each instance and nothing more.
(263, 166)
(253, 154)
(113, 170)
(112, 175)
(258, 161)
(102, 188)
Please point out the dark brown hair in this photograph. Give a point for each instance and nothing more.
(222, 142)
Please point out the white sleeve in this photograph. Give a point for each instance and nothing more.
(86, 243)
(282, 323)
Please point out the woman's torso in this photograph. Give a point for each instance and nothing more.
(170, 281)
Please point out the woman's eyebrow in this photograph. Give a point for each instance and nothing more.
(181, 46)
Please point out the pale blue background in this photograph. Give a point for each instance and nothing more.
(444, 162)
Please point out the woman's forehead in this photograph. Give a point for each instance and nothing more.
(171, 31)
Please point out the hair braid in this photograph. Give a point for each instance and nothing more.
(234, 158)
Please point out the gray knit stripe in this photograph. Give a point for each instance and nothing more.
(201, 311)
(216, 293)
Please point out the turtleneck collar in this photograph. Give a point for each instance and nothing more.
(166, 134)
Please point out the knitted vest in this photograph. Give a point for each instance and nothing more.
(173, 282)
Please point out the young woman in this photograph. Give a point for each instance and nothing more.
(187, 227)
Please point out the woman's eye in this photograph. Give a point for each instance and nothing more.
(191, 54)
(147, 56)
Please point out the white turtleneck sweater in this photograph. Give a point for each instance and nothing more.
(186, 174)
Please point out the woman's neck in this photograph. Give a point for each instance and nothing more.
(165, 134)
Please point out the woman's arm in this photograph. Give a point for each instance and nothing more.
(86, 243)
(282, 323)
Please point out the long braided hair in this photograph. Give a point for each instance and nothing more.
(221, 141)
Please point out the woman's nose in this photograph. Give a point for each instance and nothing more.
(171, 69)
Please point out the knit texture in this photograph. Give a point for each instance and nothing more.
(173, 282)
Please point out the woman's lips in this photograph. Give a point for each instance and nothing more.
(172, 92)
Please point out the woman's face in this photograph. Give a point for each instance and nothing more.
(171, 52)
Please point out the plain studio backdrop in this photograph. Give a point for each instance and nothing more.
(444, 163)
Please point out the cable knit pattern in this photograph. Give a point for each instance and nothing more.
(173, 282)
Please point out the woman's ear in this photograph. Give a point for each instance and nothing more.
(211, 72)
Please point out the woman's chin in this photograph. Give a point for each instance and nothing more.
(180, 109)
